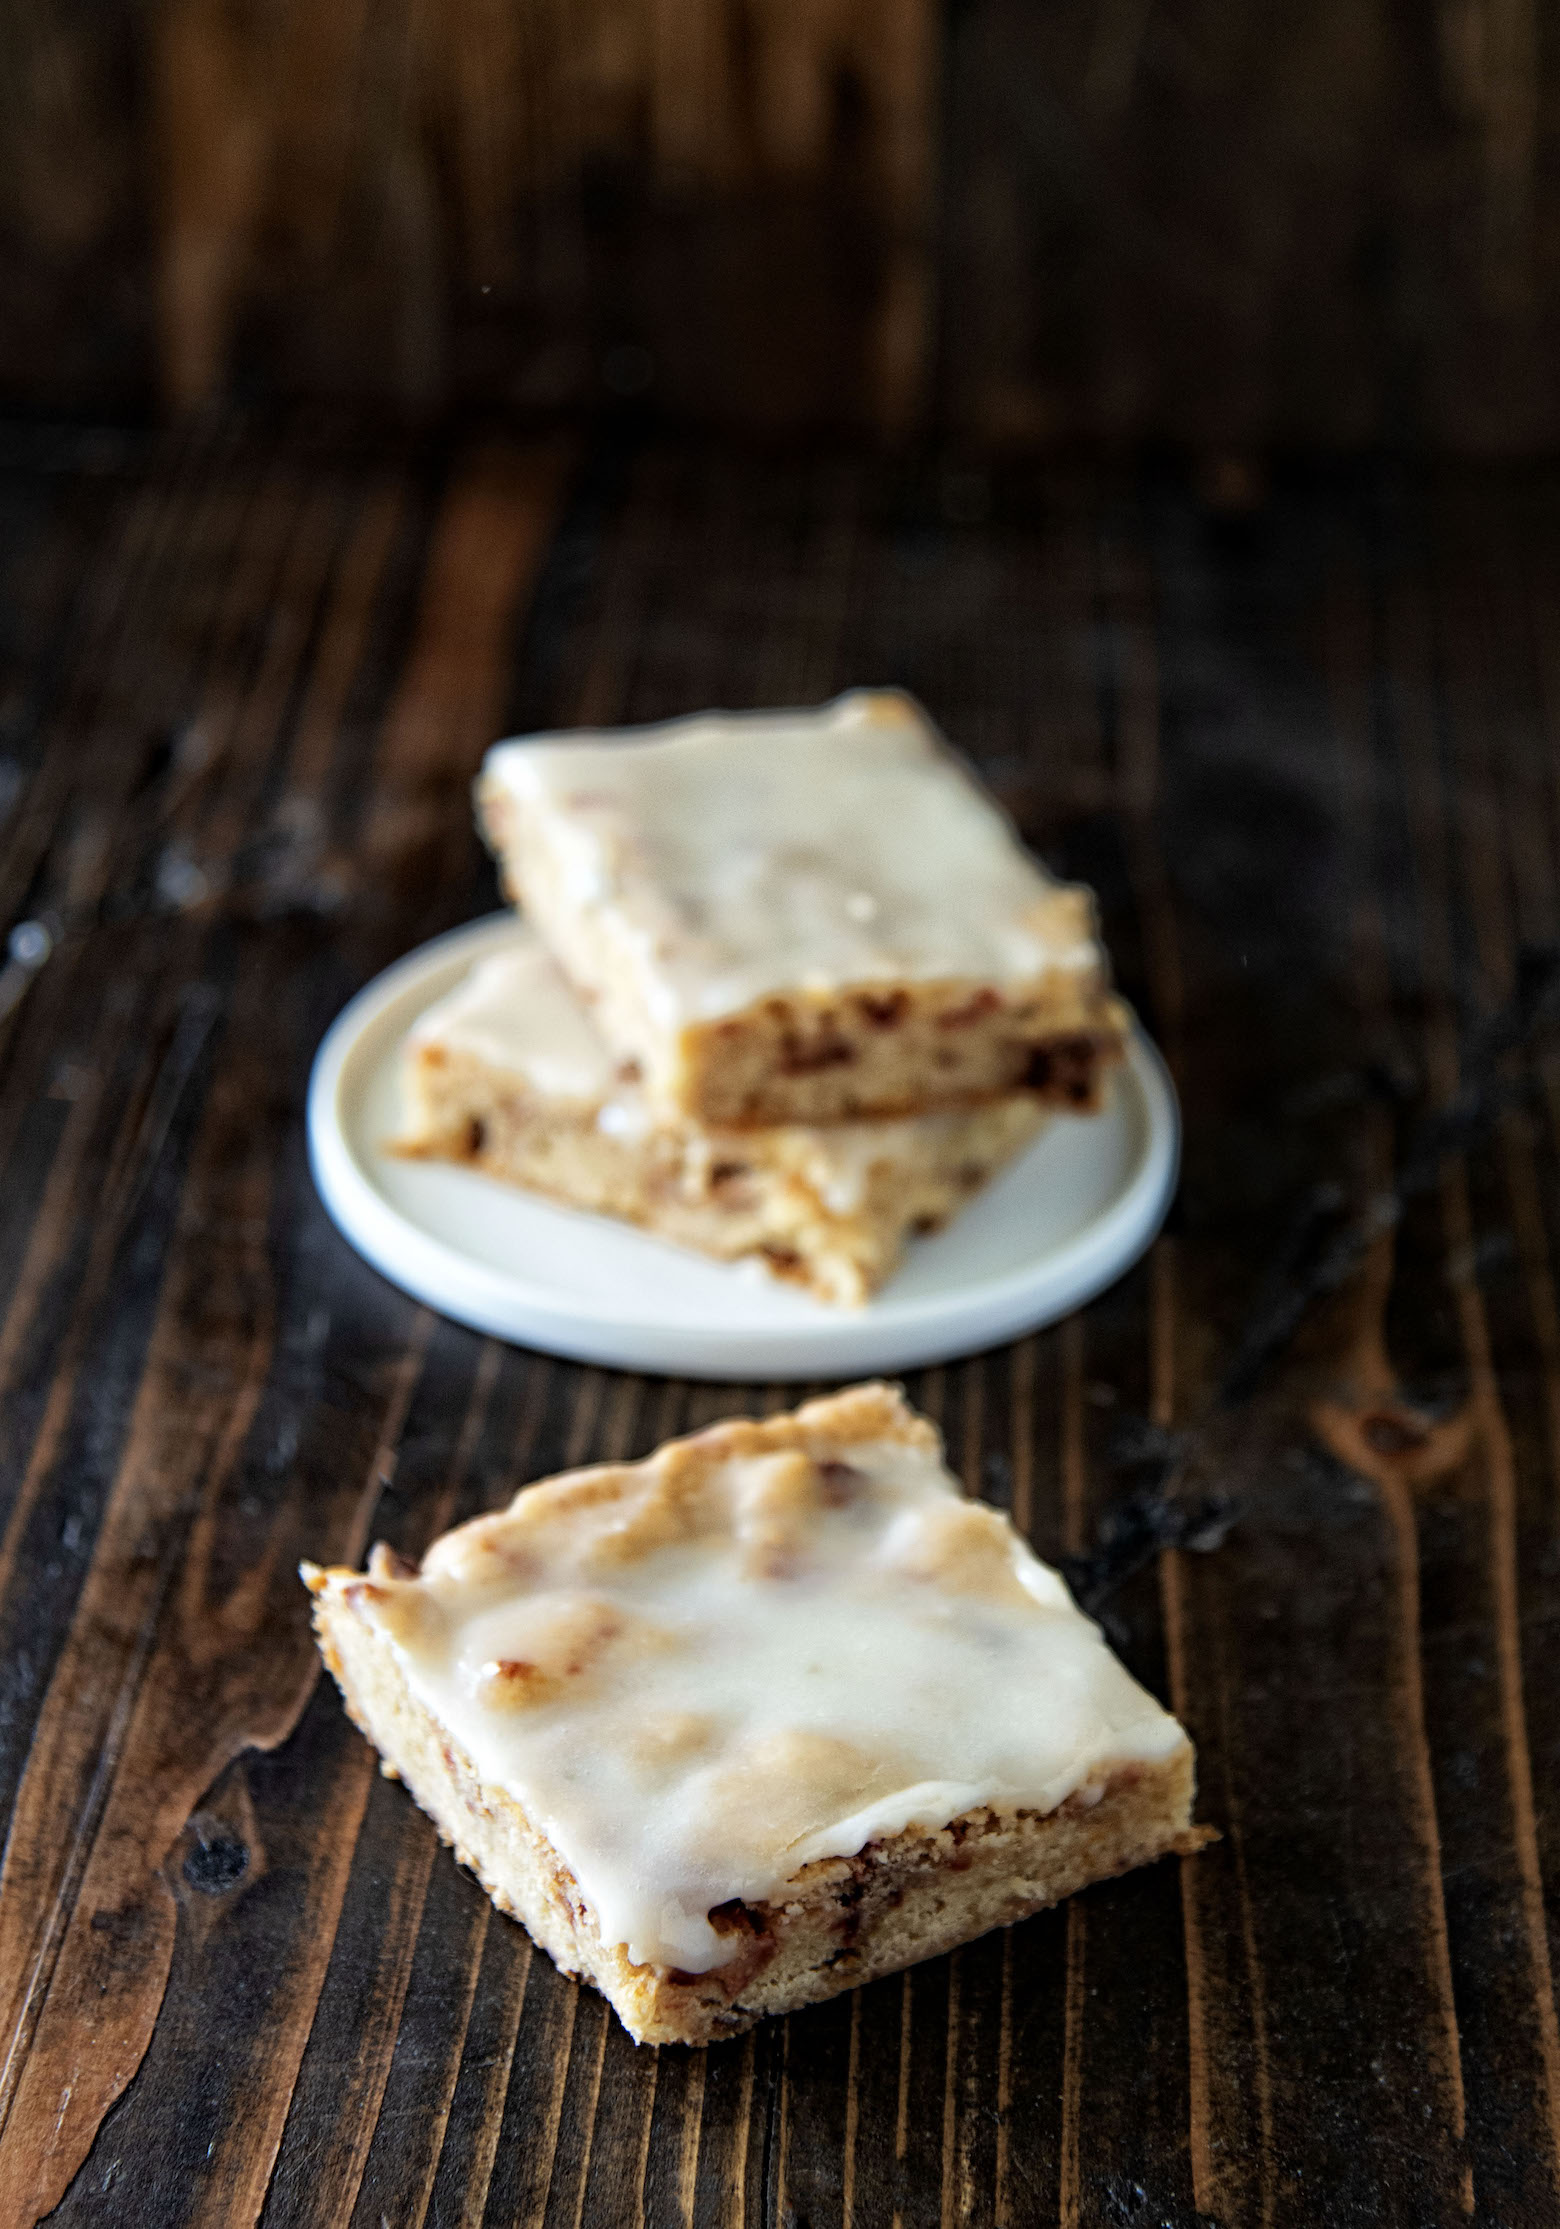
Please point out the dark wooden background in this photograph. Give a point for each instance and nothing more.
(1309, 761)
(1219, 223)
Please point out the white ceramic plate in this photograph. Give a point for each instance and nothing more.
(1056, 1227)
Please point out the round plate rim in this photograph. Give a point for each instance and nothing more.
(524, 1309)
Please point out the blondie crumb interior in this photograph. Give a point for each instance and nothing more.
(745, 1724)
(507, 1075)
(803, 917)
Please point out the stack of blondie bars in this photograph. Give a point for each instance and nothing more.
(783, 986)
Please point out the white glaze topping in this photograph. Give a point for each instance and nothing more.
(737, 856)
(513, 1011)
(700, 1673)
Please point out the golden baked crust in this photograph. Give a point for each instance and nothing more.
(631, 1508)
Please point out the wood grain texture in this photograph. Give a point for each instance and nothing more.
(398, 206)
(1309, 762)
(1016, 226)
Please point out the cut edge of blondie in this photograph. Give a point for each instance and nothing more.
(876, 1051)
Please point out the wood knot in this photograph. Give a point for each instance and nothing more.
(1384, 1437)
(1392, 1434)
(219, 1859)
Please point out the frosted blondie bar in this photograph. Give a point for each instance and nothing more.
(803, 916)
(508, 1075)
(748, 1723)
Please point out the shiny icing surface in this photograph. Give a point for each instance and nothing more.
(768, 1645)
(736, 857)
(514, 1012)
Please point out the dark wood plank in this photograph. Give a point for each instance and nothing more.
(1309, 764)
(192, 1568)
(1022, 226)
(1512, 2079)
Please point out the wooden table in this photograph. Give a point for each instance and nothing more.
(1308, 758)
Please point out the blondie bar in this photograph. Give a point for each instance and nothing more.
(803, 916)
(507, 1074)
(768, 1714)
